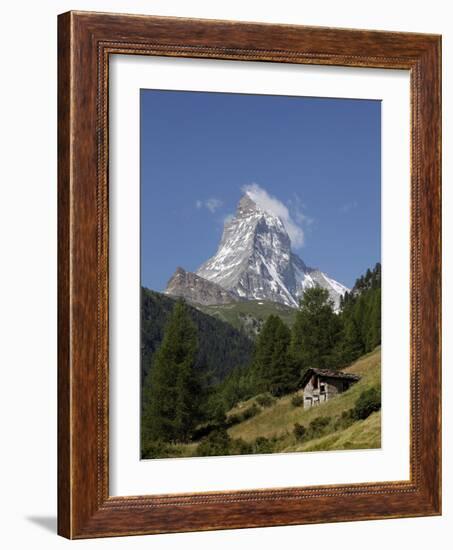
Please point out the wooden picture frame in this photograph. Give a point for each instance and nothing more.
(85, 42)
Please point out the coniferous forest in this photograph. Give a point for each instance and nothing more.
(203, 378)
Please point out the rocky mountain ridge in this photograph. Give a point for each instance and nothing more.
(195, 289)
(254, 261)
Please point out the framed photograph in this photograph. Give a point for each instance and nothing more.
(249, 275)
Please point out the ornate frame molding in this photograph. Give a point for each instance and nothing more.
(86, 40)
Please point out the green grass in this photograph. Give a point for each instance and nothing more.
(278, 420)
(243, 405)
(250, 315)
(364, 434)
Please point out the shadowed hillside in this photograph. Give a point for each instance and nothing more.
(221, 346)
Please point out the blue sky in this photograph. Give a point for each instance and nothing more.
(320, 158)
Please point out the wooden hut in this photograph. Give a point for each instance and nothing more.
(320, 385)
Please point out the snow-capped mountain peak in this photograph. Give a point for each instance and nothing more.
(254, 260)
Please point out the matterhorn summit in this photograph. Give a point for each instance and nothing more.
(255, 261)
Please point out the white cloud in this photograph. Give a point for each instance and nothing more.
(347, 207)
(211, 204)
(274, 206)
(228, 218)
(297, 209)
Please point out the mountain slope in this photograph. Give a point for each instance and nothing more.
(363, 434)
(270, 428)
(279, 419)
(250, 315)
(221, 346)
(195, 289)
(254, 260)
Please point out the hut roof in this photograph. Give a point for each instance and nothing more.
(327, 373)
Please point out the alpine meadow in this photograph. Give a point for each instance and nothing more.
(245, 347)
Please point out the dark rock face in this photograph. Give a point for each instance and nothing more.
(195, 289)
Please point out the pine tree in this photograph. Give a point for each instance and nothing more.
(171, 389)
(282, 372)
(374, 322)
(351, 346)
(272, 368)
(260, 371)
(316, 332)
(361, 317)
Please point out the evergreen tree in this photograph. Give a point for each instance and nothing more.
(221, 347)
(361, 317)
(272, 369)
(316, 332)
(282, 372)
(260, 371)
(351, 346)
(171, 390)
(374, 320)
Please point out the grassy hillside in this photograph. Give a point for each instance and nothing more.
(271, 429)
(364, 434)
(250, 316)
(277, 421)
